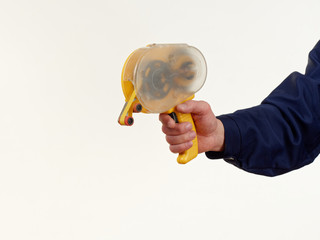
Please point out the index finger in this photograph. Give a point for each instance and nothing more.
(166, 120)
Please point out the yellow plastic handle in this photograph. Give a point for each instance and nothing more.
(192, 152)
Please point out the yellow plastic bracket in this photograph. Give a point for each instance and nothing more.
(192, 152)
(127, 109)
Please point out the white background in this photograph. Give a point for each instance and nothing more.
(69, 171)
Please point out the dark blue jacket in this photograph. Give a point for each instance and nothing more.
(283, 133)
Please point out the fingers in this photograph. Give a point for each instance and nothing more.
(181, 143)
(166, 120)
(171, 128)
(178, 135)
(183, 138)
(180, 147)
(178, 129)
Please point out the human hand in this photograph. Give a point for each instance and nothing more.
(210, 130)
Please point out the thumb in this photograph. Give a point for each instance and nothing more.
(195, 107)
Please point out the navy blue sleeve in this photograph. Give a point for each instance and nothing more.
(283, 132)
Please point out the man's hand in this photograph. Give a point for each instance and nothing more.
(210, 130)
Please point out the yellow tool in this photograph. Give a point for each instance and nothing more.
(158, 77)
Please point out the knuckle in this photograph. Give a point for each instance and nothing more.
(179, 148)
(188, 145)
(174, 148)
(173, 139)
(181, 128)
(169, 139)
(165, 130)
(205, 106)
(163, 119)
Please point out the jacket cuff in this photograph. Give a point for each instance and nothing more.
(232, 140)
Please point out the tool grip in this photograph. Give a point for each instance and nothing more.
(192, 152)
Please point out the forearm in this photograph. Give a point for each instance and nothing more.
(281, 134)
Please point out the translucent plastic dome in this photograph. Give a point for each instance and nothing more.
(166, 74)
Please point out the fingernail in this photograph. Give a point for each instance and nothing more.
(188, 126)
(171, 124)
(192, 135)
(182, 106)
(189, 144)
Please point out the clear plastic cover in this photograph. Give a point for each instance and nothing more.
(167, 74)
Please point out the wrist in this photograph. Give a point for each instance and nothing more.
(218, 138)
